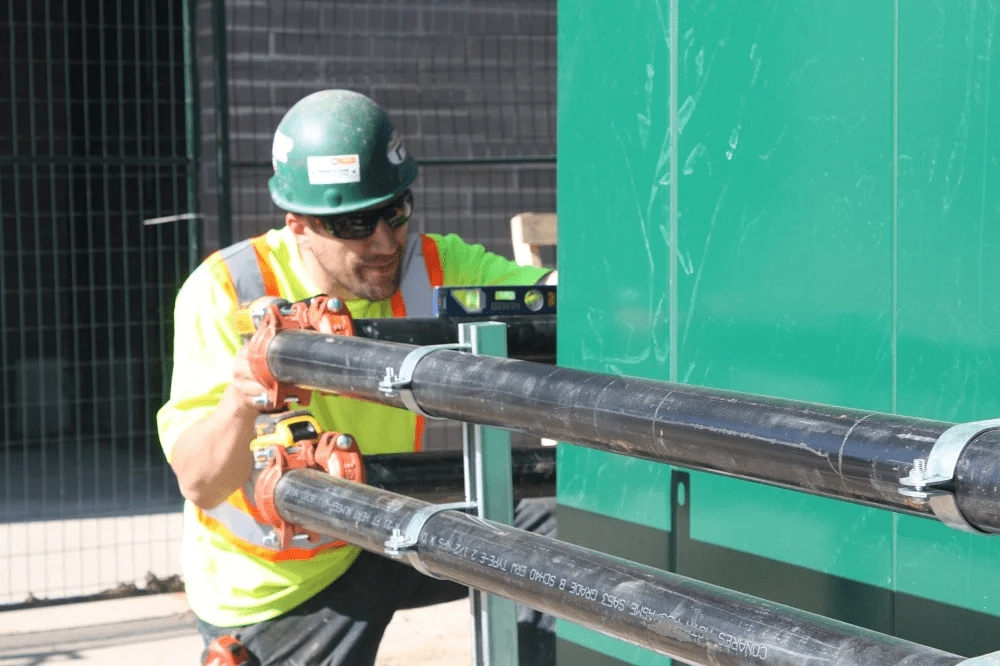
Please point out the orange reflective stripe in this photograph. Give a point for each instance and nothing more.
(221, 274)
(435, 275)
(433, 260)
(418, 438)
(262, 249)
(398, 306)
(258, 551)
(239, 500)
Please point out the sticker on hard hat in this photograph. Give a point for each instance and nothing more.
(280, 148)
(333, 169)
(395, 150)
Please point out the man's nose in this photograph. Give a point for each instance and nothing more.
(382, 240)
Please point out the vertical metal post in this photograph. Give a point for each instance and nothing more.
(192, 122)
(220, 63)
(488, 482)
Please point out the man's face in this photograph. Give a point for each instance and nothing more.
(370, 268)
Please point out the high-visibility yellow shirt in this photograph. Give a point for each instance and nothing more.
(225, 585)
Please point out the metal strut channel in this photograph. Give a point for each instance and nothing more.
(930, 475)
(402, 383)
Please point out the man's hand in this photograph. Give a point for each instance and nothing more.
(245, 385)
(212, 457)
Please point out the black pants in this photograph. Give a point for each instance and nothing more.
(344, 623)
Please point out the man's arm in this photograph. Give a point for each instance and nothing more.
(207, 425)
(212, 457)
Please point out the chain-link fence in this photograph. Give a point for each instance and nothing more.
(108, 145)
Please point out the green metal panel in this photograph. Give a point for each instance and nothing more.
(633, 489)
(613, 244)
(785, 199)
(613, 208)
(843, 539)
(949, 167)
(790, 199)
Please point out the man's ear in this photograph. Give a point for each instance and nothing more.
(296, 223)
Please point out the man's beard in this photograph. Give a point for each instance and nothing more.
(380, 289)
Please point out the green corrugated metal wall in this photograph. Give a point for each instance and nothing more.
(793, 199)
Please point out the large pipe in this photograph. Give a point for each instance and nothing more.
(661, 611)
(847, 454)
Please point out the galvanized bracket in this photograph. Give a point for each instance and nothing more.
(929, 475)
(403, 542)
(402, 382)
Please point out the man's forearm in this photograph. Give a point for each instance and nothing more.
(212, 457)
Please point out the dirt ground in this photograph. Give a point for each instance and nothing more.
(159, 630)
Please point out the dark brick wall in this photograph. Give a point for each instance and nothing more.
(470, 83)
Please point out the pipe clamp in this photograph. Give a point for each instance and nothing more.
(403, 543)
(929, 474)
(403, 381)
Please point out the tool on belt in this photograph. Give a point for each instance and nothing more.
(226, 651)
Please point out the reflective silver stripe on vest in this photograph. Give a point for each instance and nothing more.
(415, 284)
(243, 526)
(244, 270)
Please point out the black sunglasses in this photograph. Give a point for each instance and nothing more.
(361, 224)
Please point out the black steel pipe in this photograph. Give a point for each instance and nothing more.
(439, 476)
(847, 454)
(661, 611)
(529, 337)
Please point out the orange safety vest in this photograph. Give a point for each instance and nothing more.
(247, 274)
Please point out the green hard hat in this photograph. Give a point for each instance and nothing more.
(336, 151)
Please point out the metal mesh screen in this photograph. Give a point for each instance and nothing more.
(93, 142)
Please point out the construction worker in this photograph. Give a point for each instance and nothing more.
(343, 176)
